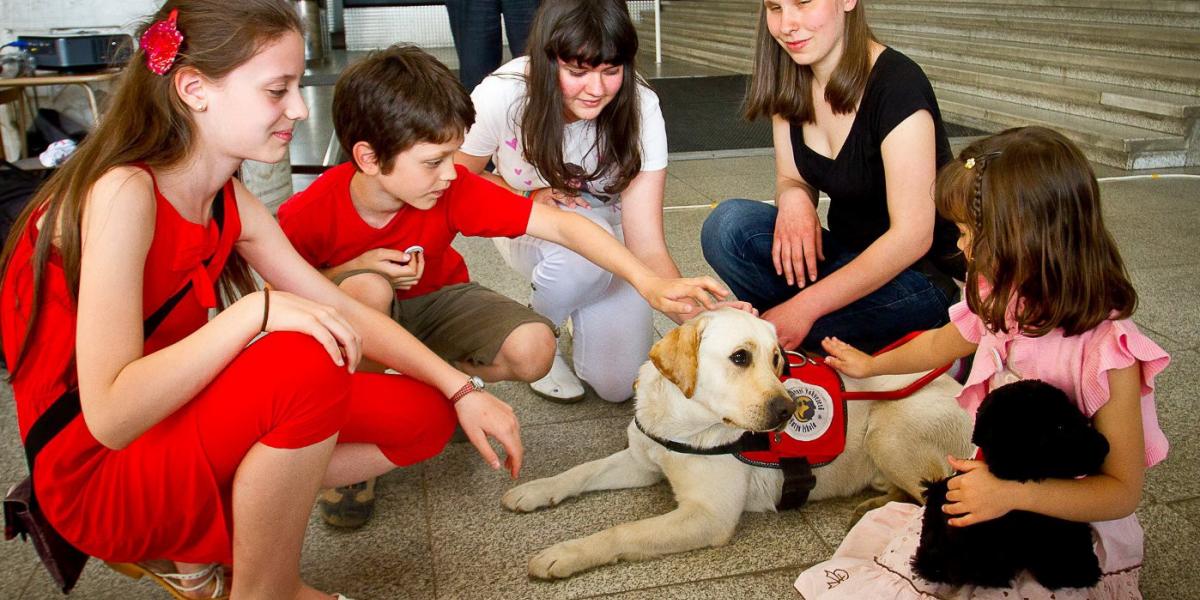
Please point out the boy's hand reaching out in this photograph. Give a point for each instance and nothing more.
(482, 415)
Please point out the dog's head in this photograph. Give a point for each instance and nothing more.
(728, 361)
(1031, 430)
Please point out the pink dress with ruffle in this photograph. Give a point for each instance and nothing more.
(873, 559)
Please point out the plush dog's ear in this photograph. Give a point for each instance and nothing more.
(677, 355)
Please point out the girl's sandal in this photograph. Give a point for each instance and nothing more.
(179, 585)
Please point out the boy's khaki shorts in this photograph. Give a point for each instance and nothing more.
(464, 322)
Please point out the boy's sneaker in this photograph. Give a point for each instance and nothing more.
(560, 385)
(349, 506)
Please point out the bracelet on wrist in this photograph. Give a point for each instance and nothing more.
(266, 309)
(473, 384)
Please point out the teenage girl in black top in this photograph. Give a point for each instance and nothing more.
(859, 121)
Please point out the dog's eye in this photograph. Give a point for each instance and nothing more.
(775, 359)
(740, 358)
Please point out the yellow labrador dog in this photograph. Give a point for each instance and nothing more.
(707, 383)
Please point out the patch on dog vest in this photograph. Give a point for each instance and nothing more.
(817, 431)
(814, 411)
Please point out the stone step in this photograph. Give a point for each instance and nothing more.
(1128, 15)
(1115, 145)
(1124, 86)
(681, 27)
(702, 13)
(712, 54)
(1153, 73)
(1072, 7)
(1183, 6)
(1157, 111)
(1134, 39)
(744, 17)
(701, 31)
(729, 6)
(1077, 91)
(1187, 44)
(1162, 113)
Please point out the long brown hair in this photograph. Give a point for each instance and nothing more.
(1039, 247)
(589, 33)
(779, 86)
(148, 123)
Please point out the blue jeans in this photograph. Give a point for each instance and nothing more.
(475, 25)
(737, 240)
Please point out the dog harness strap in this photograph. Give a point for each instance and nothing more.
(749, 442)
(907, 390)
(798, 481)
(901, 393)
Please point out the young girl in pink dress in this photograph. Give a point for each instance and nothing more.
(1048, 298)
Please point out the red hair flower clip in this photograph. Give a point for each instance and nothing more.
(161, 44)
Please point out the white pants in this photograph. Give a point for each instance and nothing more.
(612, 324)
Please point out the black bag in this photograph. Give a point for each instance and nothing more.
(17, 187)
(22, 516)
(50, 126)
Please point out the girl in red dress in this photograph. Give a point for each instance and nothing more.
(195, 447)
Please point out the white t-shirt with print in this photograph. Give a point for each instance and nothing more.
(499, 100)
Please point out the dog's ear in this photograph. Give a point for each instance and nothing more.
(677, 355)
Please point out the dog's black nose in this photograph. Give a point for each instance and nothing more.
(782, 407)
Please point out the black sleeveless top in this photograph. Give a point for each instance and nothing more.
(854, 180)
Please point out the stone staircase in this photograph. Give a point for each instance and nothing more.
(1120, 79)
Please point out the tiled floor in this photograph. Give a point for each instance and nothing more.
(440, 531)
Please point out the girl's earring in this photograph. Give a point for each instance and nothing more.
(201, 107)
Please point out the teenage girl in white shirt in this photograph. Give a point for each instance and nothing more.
(573, 125)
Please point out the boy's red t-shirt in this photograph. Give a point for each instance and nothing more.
(323, 225)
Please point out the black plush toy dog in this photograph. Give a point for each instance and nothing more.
(1028, 431)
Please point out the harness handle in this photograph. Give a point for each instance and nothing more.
(903, 392)
(907, 390)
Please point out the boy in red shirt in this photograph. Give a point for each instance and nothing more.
(380, 226)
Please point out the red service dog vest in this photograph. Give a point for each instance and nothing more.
(817, 431)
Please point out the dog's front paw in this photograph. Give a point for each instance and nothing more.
(561, 560)
(531, 496)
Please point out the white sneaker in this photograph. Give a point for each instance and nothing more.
(560, 384)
